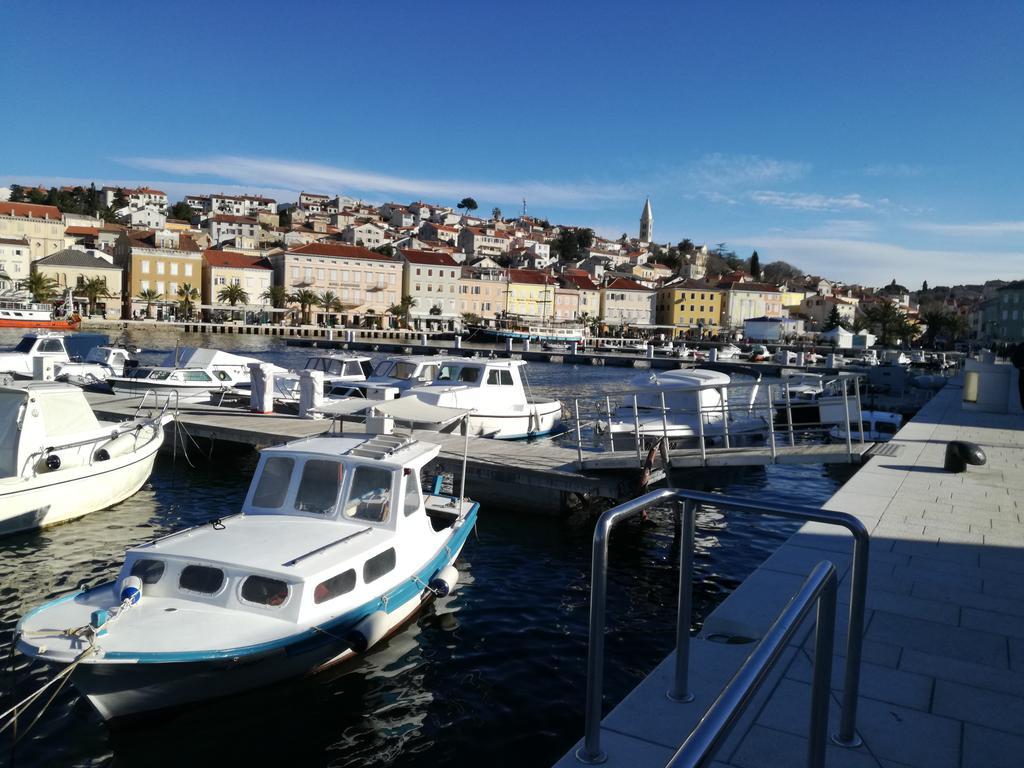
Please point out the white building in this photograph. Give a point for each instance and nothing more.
(243, 230)
(15, 257)
(368, 235)
(484, 241)
(626, 302)
(432, 280)
(241, 205)
(143, 218)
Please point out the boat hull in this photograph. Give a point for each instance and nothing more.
(119, 685)
(540, 420)
(51, 325)
(42, 504)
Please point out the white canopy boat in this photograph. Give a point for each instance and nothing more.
(728, 352)
(100, 364)
(335, 547)
(185, 384)
(231, 369)
(696, 403)
(58, 462)
(18, 362)
(815, 399)
(494, 394)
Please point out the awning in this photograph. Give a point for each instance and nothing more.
(406, 410)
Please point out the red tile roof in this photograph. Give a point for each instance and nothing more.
(427, 257)
(30, 210)
(145, 191)
(339, 250)
(755, 287)
(624, 284)
(579, 282)
(82, 231)
(217, 258)
(530, 276)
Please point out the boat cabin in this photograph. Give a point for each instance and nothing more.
(399, 374)
(682, 390)
(324, 517)
(352, 367)
(463, 382)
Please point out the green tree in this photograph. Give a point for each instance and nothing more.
(496, 213)
(402, 309)
(330, 302)
(886, 321)
(468, 204)
(180, 210)
(778, 272)
(187, 298)
(94, 288)
(924, 286)
(41, 287)
(570, 243)
(470, 318)
(436, 311)
(384, 250)
(755, 266)
(275, 295)
(284, 218)
(233, 294)
(120, 199)
(17, 193)
(305, 298)
(834, 319)
(151, 297)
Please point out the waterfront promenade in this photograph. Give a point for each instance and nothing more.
(942, 680)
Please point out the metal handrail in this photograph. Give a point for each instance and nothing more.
(819, 588)
(591, 750)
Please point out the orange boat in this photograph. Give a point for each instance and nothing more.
(22, 313)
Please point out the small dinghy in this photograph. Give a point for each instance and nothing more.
(335, 547)
(58, 462)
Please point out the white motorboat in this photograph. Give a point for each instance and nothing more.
(399, 373)
(876, 426)
(758, 353)
(18, 362)
(728, 352)
(867, 357)
(494, 394)
(335, 547)
(815, 399)
(230, 369)
(696, 404)
(58, 462)
(168, 383)
(100, 363)
(336, 369)
(895, 357)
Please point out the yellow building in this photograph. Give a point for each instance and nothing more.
(162, 261)
(41, 225)
(253, 274)
(690, 305)
(793, 299)
(530, 293)
(73, 268)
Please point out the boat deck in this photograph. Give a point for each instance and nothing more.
(942, 679)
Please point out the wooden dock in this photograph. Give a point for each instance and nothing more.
(741, 456)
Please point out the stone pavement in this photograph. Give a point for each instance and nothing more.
(942, 680)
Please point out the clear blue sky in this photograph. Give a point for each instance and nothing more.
(863, 141)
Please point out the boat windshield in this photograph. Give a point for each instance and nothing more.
(456, 373)
(319, 486)
(369, 498)
(25, 345)
(384, 368)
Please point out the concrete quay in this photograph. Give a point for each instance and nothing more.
(942, 678)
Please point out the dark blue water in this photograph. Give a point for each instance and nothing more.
(494, 675)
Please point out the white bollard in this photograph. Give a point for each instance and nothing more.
(830, 361)
(311, 393)
(650, 352)
(508, 344)
(801, 359)
(458, 342)
(261, 388)
(713, 355)
(526, 345)
(330, 334)
(574, 347)
(350, 336)
(42, 368)
(423, 339)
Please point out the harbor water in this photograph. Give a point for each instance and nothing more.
(493, 675)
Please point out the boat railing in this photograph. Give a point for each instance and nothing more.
(771, 403)
(729, 705)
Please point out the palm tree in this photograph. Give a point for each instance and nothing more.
(187, 296)
(41, 287)
(94, 288)
(276, 296)
(233, 294)
(402, 309)
(957, 326)
(330, 303)
(936, 317)
(305, 298)
(886, 321)
(151, 297)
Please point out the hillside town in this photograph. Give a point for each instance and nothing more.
(323, 259)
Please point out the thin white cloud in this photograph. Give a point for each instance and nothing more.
(876, 263)
(809, 201)
(893, 170)
(717, 173)
(297, 176)
(979, 229)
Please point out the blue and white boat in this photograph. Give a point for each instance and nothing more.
(335, 547)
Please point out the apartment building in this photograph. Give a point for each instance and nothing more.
(41, 225)
(690, 305)
(159, 260)
(433, 281)
(223, 268)
(626, 302)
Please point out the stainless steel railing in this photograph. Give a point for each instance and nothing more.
(819, 589)
(591, 750)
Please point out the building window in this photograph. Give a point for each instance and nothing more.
(144, 265)
(159, 267)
